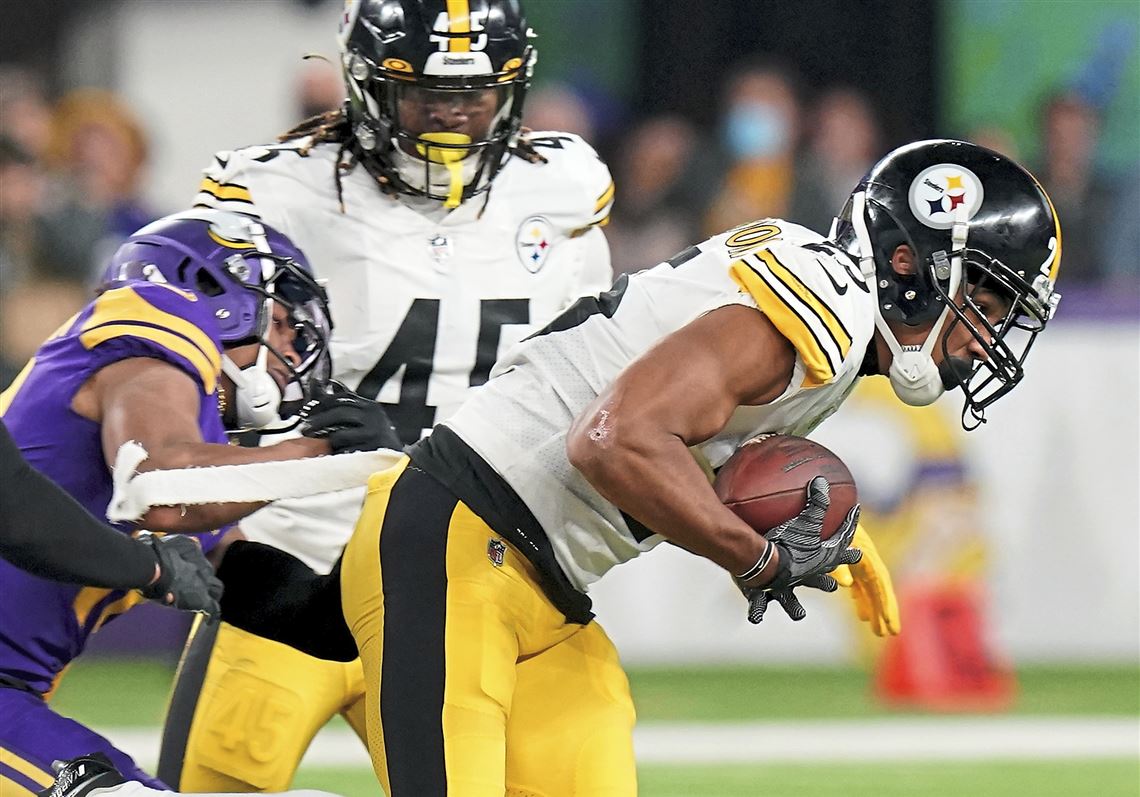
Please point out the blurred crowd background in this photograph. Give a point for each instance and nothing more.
(709, 115)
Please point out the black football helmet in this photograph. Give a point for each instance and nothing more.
(434, 51)
(975, 220)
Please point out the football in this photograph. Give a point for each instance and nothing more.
(765, 481)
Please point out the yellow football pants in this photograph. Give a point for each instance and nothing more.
(260, 706)
(476, 685)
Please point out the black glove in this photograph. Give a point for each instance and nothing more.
(349, 422)
(805, 559)
(185, 579)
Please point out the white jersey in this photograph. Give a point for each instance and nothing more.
(423, 300)
(518, 421)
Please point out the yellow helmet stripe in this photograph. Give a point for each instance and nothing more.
(459, 21)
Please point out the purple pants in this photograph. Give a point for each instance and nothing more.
(32, 736)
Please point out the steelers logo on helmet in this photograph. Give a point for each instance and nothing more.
(938, 191)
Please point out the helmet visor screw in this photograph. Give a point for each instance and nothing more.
(366, 138)
(358, 67)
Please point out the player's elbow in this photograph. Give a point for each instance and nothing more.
(593, 447)
(582, 452)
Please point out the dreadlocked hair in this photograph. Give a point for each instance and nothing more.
(524, 149)
(329, 127)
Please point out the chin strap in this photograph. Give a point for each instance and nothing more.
(914, 376)
(257, 398)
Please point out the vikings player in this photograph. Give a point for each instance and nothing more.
(208, 319)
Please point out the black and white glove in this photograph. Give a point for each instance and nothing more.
(805, 559)
(349, 422)
(185, 579)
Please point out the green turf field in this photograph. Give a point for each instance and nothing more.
(1039, 779)
(105, 693)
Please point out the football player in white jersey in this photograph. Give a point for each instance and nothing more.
(465, 582)
(443, 234)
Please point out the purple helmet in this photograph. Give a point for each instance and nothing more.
(239, 267)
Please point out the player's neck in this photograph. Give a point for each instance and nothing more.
(877, 358)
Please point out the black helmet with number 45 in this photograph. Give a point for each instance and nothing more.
(407, 60)
(976, 221)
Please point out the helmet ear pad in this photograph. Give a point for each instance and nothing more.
(909, 296)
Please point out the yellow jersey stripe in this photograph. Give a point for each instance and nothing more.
(225, 191)
(85, 601)
(605, 198)
(9, 395)
(25, 768)
(9, 786)
(834, 326)
(459, 21)
(115, 608)
(168, 340)
(125, 305)
(817, 362)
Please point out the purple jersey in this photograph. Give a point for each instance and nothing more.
(44, 624)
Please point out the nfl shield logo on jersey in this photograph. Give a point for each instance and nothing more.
(496, 551)
(533, 242)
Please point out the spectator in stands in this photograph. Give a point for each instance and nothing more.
(995, 137)
(1083, 197)
(653, 218)
(320, 88)
(759, 131)
(1122, 238)
(29, 310)
(559, 107)
(99, 150)
(21, 199)
(844, 143)
(25, 112)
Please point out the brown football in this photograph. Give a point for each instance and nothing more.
(765, 481)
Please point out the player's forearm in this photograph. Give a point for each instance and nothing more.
(654, 478)
(171, 455)
(193, 519)
(46, 532)
(207, 517)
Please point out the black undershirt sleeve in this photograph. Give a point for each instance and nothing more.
(275, 595)
(47, 532)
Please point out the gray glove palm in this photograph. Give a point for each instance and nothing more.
(805, 558)
(185, 578)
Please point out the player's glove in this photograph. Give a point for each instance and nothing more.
(805, 558)
(349, 422)
(871, 589)
(185, 579)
